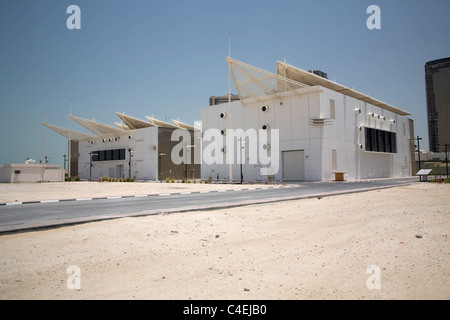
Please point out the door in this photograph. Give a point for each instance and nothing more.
(119, 171)
(294, 165)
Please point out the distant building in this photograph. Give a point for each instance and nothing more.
(319, 73)
(213, 100)
(30, 172)
(437, 81)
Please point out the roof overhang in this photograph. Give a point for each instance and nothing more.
(254, 84)
(133, 123)
(69, 134)
(96, 127)
(311, 79)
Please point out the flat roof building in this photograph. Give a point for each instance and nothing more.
(437, 83)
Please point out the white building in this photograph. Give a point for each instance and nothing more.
(18, 172)
(135, 149)
(324, 127)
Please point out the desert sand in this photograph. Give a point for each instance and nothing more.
(303, 249)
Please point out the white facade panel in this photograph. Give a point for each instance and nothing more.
(143, 165)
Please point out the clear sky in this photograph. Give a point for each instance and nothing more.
(165, 58)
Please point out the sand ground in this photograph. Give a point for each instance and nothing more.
(303, 249)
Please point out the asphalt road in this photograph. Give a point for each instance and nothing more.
(31, 216)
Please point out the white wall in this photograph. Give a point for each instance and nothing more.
(344, 137)
(30, 173)
(292, 116)
(143, 142)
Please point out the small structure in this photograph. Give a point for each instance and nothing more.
(17, 172)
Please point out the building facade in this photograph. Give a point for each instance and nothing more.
(323, 128)
(134, 149)
(437, 83)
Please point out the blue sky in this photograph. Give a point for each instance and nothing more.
(165, 58)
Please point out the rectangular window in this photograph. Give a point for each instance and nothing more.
(334, 160)
(332, 109)
(109, 155)
(115, 154)
(121, 154)
(380, 140)
(101, 155)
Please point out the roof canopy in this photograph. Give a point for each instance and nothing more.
(311, 79)
(96, 127)
(69, 134)
(99, 129)
(254, 84)
(133, 123)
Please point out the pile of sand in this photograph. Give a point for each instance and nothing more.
(303, 249)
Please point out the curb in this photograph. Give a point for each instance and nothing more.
(62, 223)
(135, 196)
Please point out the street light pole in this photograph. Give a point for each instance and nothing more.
(159, 165)
(418, 149)
(129, 163)
(65, 159)
(446, 158)
(90, 164)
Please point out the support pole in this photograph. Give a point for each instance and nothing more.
(229, 151)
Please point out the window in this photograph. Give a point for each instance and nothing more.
(109, 155)
(334, 160)
(380, 140)
(332, 109)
